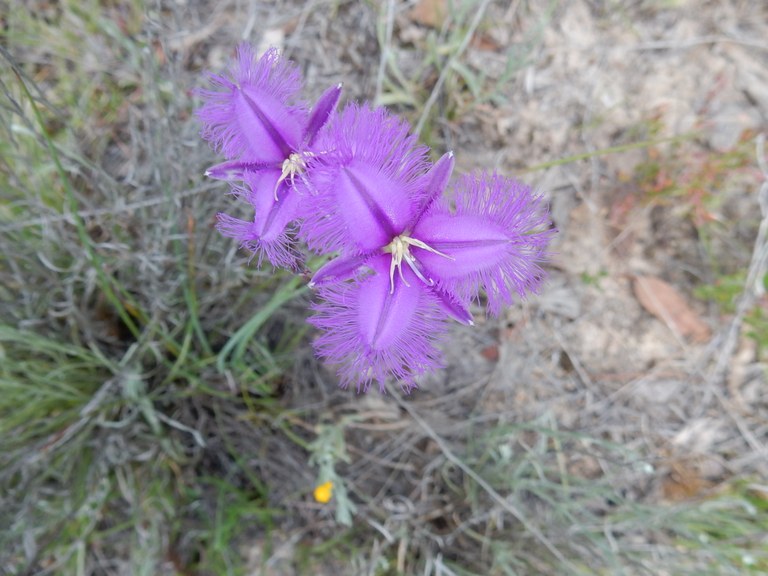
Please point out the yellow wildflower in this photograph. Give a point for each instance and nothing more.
(324, 492)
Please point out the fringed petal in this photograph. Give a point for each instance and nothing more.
(337, 270)
(453, 308)
(252, 115)
(375, 333)
(235, 170)
(271, 234)
(276, 76)
(272, 215)
(321, 113)
(280, 250)
(365, 182)
(435, 182)
(495, 239)
(271, 131)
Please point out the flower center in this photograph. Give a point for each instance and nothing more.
(400, 248)
(292, 166)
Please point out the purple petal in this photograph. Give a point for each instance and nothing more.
(280, 251)
(496, 240)
(321, 113)
(361, 211)
(279, 77)
(436, 181)
(470, 241)
(269, 127)
(453, 307)
(374, 334)
(337, 270)
(272, 216)
(252, 114)
(366, 183)
(235, 170)
(271, 232)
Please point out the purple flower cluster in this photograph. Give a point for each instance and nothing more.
(407, 251)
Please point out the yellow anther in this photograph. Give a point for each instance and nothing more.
(324, 492)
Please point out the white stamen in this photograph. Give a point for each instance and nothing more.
(292, 165)
(411, 261)
(400, 250)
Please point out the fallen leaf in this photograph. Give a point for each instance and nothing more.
(668, 305)
(683, 483)
(430, 13)
(490, 353)
(485, 43)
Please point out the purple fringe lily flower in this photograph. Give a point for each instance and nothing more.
(409, 258)
(254, 118)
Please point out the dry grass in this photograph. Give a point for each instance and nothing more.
(160, 409)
